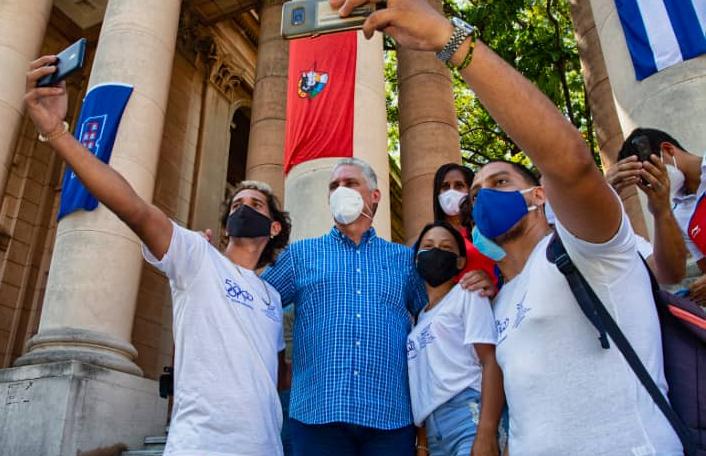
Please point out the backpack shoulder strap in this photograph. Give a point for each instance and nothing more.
(601, 319)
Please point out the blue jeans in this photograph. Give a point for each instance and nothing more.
(452, 427)
(343, 439)
(286, 434)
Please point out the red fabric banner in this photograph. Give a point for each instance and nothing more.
(320, 98)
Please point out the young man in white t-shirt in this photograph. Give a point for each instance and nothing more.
(566, 395)
(227, 322)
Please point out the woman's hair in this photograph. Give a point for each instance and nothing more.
(278, 242)
(439, 179)
(447, 226)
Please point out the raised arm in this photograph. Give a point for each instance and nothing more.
(47, 108)
(574, 185)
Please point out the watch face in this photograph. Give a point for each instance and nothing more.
(459, 23)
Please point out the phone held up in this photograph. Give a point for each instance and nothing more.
(68, 62)
(302, 18)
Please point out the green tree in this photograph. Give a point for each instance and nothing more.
(536, 37)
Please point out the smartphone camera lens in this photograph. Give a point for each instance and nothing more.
(298, 16)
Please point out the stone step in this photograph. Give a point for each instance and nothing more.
(144, 452)
(156, 440)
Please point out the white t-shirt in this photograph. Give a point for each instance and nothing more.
(441, 360)
(683, 207)
(567, 395)
(226, 340)
(644, 247)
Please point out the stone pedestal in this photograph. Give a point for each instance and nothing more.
(72, 408)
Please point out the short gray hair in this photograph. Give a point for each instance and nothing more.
(368, 173)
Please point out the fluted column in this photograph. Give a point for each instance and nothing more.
(22, 27)
(95, 270)
(600, 99)
(266, 146)
(428, 131)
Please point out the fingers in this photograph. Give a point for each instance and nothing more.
(345, 7)
(42, 61)
(379, 20)
(657, 169)
(36, 93)
(35, 75)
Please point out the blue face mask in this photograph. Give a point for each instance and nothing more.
(495, 212)
(487, 247)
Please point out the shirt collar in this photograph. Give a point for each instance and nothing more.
(368, 236)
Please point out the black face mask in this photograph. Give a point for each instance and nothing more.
(437, 266)
(246, 222)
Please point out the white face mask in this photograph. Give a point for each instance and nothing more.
(450, 201)
(676, 177)
(346, 205)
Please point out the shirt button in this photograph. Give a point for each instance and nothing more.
(355, 373)
(357, 252)
(357, 315)
(357, 291)
(357, 343)
(357, 269)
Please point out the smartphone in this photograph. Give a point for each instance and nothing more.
(642, 147)
(302, 18)
(69, 61)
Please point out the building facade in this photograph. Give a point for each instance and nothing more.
(85, 324)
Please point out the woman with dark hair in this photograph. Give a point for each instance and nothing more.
(455, 382)
(452, 183)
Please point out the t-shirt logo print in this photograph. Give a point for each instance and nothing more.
(270, 312)
(521, 314)
(411, 349)
(425, 337)
(501, 327)
(237, 294)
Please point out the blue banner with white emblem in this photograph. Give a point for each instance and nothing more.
(97, 128)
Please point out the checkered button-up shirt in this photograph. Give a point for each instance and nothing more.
(352, 317)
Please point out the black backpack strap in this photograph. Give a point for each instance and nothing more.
(601, 319)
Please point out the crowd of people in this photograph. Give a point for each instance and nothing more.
(471, 341)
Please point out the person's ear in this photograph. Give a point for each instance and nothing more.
(376, 195)
(461, 263)
(538, 196)
(668, 149)
(275, 229)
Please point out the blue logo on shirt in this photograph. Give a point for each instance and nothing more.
(411, 349)
(501, 327)
(425, 337)
(270, 312)
(237, 294)
(520, 315)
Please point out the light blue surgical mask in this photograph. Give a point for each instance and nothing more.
(486, 246)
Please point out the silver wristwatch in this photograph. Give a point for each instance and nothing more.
(462, 30)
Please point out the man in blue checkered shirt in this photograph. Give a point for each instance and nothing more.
(353, 294)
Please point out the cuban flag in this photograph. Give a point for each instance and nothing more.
(662, 33)
(98, 124)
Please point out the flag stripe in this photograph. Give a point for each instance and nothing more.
(686, 27)
(636, 38)
(700, 9)
(663, 41)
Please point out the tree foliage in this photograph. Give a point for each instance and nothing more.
(537, 38)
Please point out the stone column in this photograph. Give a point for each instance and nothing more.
(306, 185)
(22, 26)
(600, 100)
(673, 100)
(266, 146)
(428, 131)
(95, 270)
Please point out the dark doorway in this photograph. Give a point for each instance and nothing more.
(238, 153)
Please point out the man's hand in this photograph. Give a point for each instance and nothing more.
(624, 174)
(47, 106)
(655, 183)
(698, 291)
(478, 281)
(413, 24)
